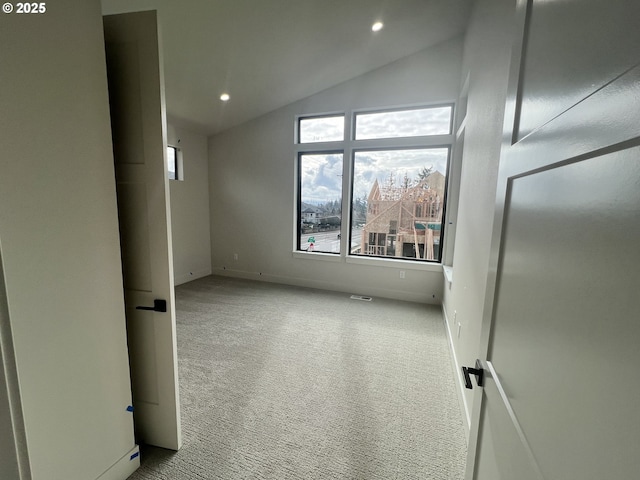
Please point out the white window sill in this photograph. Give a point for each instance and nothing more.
(327, 257)
(370, 261)
(448, 273)
(395, 263)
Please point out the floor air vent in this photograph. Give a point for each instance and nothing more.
(361, 297)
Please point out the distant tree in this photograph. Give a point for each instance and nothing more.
(331, 207)
(359, 214)
(391, 182)
(332, 221)
(424, 173)
(406, 182)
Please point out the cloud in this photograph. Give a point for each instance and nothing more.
(322, 129)
(369, 166)
(405, 123)
(321, 177)
(321, 174)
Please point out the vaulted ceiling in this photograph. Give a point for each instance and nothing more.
(268, 53)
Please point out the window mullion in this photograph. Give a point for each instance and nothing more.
(347, 185)
(402, 212)
(404, 143)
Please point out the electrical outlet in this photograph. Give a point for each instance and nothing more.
(401, 273)
(235, 256)
(455, 314)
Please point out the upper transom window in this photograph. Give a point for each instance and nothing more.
(378, 188)
(404, 123)
(321, 129)
(174, 165)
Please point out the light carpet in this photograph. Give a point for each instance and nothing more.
(279, 382)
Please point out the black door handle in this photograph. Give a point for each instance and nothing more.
(158, 306)
(478, 372)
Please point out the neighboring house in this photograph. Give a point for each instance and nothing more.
(310, 214)
(405, 221)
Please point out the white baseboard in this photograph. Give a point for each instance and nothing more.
(324, 285)
(179, 279)
(123, 468)
(464, 408)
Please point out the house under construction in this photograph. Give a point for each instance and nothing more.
(405, 220)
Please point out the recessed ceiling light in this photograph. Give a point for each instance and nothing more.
(376, 27)
(225, 97)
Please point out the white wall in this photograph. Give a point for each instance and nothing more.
(59, 234)
(190, 219)
(252, 183)
(487, 52)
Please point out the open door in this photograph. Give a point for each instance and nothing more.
(136, 97)
(560, 334)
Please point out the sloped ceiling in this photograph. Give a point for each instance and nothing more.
(269, 53)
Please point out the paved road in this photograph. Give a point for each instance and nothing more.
(328, 241)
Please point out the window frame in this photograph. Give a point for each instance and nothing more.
(355, 114)
(298, 209)
(179, 171)
(348, 147)
(449, 148)
(300, 118)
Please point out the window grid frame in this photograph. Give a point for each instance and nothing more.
(348, 147)
(355, 114)
(298, 210)
(177, 156)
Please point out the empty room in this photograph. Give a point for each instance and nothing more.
(294, 239)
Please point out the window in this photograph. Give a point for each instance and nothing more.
(404, 123)
(321, 129)
(320, 202)
(395, 171)
(404, 191)
(174, 163)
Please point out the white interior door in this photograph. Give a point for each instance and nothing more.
(136, 96)
(560, 339)
(11, 423)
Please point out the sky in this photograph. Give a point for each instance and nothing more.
(322, 129)
(369, 166)
(321, 174)
(391, 124)
(321, 177)
(405, 123)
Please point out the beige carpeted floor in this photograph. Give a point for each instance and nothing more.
(280, 382)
